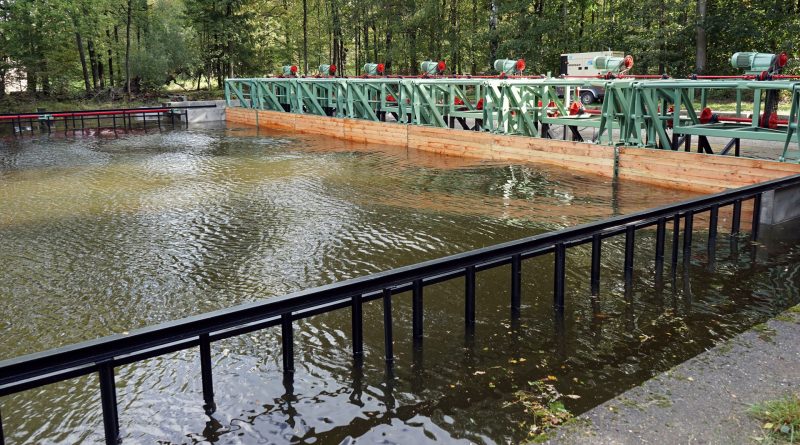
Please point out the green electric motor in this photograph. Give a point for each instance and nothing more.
(432, 68)
(290, 70)
(756, 63)
(327, 70)
(373, 69)
(509, 66)
(613, 64)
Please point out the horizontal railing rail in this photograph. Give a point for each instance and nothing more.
(103, 355)
(79, 120)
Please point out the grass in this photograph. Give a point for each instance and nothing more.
(781, 419)
(765, 332)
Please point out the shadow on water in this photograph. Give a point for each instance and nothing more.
(106, 235)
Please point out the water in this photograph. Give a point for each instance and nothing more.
(101, 235)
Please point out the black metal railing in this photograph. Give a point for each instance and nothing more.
(80, 120)
(103, 355)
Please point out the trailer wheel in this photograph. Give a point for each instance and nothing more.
(587, 97)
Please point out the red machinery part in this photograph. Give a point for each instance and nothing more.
(479, 106)
(380, 69)
(390, 98)
(575, 108)
(293, 69)
(628, 62)
(706, 115)
(332, 70)
(520, 65)
(782, 59)
(458, 101)
(441, 66)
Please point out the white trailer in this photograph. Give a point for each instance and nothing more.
(582, 64)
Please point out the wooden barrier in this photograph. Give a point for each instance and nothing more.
(696, 171)
(673, 169)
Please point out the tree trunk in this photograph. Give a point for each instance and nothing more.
(493, 42)
(701, 40)
(100, 78)
(128, 51)
(454, 40)
(388, 64)
(82, 54)
(110, 69)
(93, 63)
(2, 80)
(305, 37)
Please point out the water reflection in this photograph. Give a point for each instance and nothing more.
(102, 236)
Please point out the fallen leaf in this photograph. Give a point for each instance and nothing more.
(573, 396)
(479, 373)
(768, 426)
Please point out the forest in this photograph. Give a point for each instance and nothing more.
(117, 47)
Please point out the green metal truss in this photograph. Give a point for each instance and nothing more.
(644, 113)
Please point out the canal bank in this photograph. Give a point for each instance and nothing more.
(705, 399)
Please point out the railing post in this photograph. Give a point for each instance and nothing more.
(756, 217)
(357, 318)
(737, 217)
(630, 238)
(516, 285)
(2, 436)
(595, 276)
(387, 325)
(417, 312)
(687, 236)
(108, 397)
(559, 273)
(661, 229)
(469, 296)
(676, 233)
(206, 376)
(712, 231)
(287, 343)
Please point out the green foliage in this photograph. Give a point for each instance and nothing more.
(201, 42)
(781, 418)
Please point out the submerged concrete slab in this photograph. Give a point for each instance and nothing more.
(705, 399)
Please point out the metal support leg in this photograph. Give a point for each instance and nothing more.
(287, 343)
(756, 217)
(516, 286)
(108, 397)
(205, 372)
(737, 217)
(676, 233)
(387, 325)
(661, 229)
(559, 274)
(595, 277)
(630, 238)
(469, 296)
(417, 312)
(687, 236)
(357, 318)
(712, 232)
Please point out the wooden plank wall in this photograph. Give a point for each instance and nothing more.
(696, 171)
(672, 169)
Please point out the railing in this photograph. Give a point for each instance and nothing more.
(103, 355)
(117, 118)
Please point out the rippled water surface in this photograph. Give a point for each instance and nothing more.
(102, 235)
